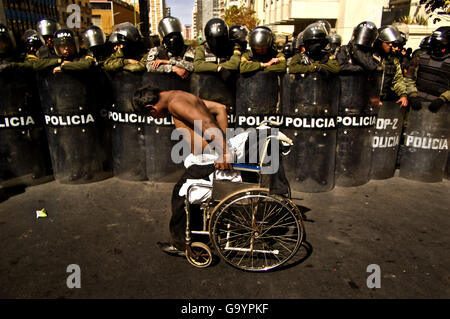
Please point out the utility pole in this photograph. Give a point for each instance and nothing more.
(143, 14)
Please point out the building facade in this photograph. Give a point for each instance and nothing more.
(156, 13)
(205, 10)
(106, 14)
(21, 15)
(287, 17)
(69, 9)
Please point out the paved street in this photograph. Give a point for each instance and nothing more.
(110, 229)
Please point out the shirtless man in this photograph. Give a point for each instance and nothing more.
(186, 108)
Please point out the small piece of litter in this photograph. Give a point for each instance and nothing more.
(41, 213)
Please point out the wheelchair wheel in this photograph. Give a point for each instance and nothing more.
(255, 231)
(199, 255)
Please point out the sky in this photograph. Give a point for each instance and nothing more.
(181, 9)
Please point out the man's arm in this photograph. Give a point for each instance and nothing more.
(220, 112)
(188, 108)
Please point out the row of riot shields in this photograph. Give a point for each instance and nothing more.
(82, 127)
(341, 138)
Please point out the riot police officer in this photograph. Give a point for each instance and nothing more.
(7, 46)
(238, 35)
(95, 41)
(429, 80)
(315, 58)
(393, 87)
(357, 55)
(128, 54)
(288, 50)
(263, 54)
(172, 55)
(218, 53)
(423, 47)
(428, 88)
(32, 42)
(335, 43)
(66, 48)
(47, 28)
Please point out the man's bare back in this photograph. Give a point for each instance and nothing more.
(186, 108)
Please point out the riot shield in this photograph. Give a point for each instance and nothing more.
(160, 166)
(166, 81)
(71, 124)
(258, 93)
(102, 99)
(386, 140)
(23, 144)
(209, 86)
(128, 129)
(310, 112)
(356, 120)
(425, 149)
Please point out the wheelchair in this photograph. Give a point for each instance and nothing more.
(250, 228)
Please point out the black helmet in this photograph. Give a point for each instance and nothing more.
(64, 43)
(169, 25)
(261, 37)
(238, 33)
(425, 43)
(299, 41)
(439, 41)
(93, 36)
(315, 31)
(365, 34)
(335, 39)
(47, 27)
(32, 40)
(326, 24)
(113, 38)
(216, 33)
(288, 49)
(389, 33)
(7, 42)
(127, 32)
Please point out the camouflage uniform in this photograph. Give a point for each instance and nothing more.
(184, 61)
(393, 85)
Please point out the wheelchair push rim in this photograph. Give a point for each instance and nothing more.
(255, 231)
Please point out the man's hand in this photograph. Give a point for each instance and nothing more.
(224, 163)
(403, 101)
(157, 63)
(375, 102)
(57, 70)
(183, 73)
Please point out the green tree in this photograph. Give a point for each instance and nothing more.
(241, 16)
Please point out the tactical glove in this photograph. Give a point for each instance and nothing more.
(436, 105)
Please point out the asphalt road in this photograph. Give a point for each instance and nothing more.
(109, 229)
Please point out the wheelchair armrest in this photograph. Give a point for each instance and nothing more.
(223, 188)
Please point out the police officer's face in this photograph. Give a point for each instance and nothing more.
(49, 41)
(387, 47)
(67, 51)
(260, 50)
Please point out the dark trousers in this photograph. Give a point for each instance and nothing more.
(177, 223)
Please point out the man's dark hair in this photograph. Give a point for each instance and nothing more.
(145, 95)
